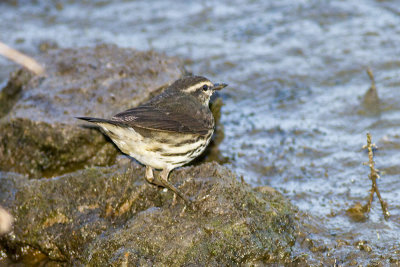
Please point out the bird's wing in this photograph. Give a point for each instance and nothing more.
(184, 118)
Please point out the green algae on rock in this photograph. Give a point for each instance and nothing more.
(110, 216)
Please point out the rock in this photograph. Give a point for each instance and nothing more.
(39, 135)
(103, 216)
(12, 91)
(95, 208)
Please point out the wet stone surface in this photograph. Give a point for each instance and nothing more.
(110, 216)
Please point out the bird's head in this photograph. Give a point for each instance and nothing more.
(198, 87)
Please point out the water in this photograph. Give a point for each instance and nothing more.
(293, 113)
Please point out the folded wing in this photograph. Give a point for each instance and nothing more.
(187, 118)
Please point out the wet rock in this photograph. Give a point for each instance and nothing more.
(357, 212)
(108, 215)
(39, 135)
(12, 91)
(103, 216)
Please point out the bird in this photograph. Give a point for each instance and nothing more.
(168, 131)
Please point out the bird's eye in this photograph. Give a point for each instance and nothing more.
(205, 87)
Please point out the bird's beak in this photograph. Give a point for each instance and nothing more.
(219, 86)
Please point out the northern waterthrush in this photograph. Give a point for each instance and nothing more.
(168, 131)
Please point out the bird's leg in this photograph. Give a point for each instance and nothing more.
(149, 174)
(164, 179)
(150, 177)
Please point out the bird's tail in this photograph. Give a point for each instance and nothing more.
(100, 121)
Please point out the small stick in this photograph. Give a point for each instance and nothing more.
(371, 77)
(371, 99)
(373, 176)
(21, 59)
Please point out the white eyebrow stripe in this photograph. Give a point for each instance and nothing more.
(196, 86)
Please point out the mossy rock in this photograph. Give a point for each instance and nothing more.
(109, 216)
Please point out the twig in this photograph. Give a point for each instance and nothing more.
(371, 77)
(373, 176)
(21, 59)
(371, 99)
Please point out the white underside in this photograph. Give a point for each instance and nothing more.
(135, 145)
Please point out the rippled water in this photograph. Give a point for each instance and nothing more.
(293, 113)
